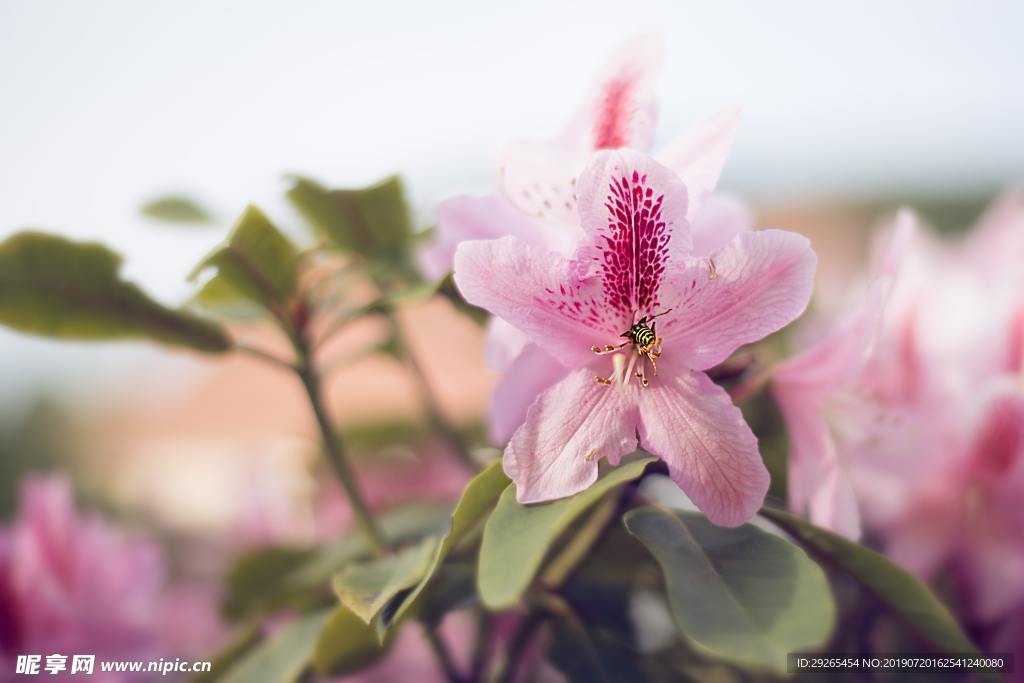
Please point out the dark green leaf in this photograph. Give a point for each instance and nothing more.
(55, 287)
(517, 537)
(479, 496)
(230, 655)
(258, 262)
(346, 645)
(902, 594)
(366, 587)
(586, 655)
(176, 209)
(283, 657)
(274, 578)
(740, 594)
(372, 221)
(253, 584)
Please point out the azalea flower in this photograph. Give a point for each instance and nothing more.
(71, 584)
(537, 204)
(635, 277)
(908, 417)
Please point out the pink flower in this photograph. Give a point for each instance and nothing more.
(908, 418)
(831, 377)
(635, 275)
(537, 204)
(71, 584)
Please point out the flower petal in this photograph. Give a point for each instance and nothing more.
(699, 156)
(634, 213)
(690, 423)
(620, 110)
(476, 218)
(540, 177)
(761, 281)
(504, 342)
(530, 373)
(568, 429)
(718, 221)
(537, 291)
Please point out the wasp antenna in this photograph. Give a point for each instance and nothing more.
(665, 312)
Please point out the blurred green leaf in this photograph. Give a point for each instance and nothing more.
(585, 655)
(230, 655)
(373, 221)
(176, 209)
(55, 287)
(269, 579)
(904, 595)
(517, 537)
(219, 298)
(283, 657)
(258, 262)
(346, 644)
(740, 594)
(247, 594)
(477, 499)
(366, 587)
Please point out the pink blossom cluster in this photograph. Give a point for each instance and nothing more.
(592, 241)
(70, 583)
(907, 419)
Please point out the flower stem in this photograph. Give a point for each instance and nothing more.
(444, 657)
(335, 450)
(438, 422)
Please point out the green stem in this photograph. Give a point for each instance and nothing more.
(438, 422)
(444, 657)
(508, 667)
(480, 645)
(335, 451)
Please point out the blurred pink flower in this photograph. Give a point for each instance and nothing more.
(636, 262)
(909, 417)
(75, 585)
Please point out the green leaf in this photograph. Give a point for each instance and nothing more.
(219, 298)
(258, 262)
(517, 537)
(904, 595)
(740, 594)
(283, 657)
(275, 578)
(176, 209)
(230, 655)
(55, 287)
(372, 221)
(479, 496)
(346, 644)
(247, 592)
(366, 587)
(585, 655)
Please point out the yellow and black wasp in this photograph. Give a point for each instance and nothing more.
(643, 335)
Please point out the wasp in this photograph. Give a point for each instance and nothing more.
(643, 335)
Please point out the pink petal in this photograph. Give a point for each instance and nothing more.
(699, 156)
(634, 213)
(504, 342)
(620, 110)
(690, 422)
(717, 222)
(762, 282)
(568, 429)
(833, 504)
(540, 180)
(540, 177)
(537, 291)
(531, 373)
(474, 218)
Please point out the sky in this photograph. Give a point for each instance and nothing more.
(106, 104)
